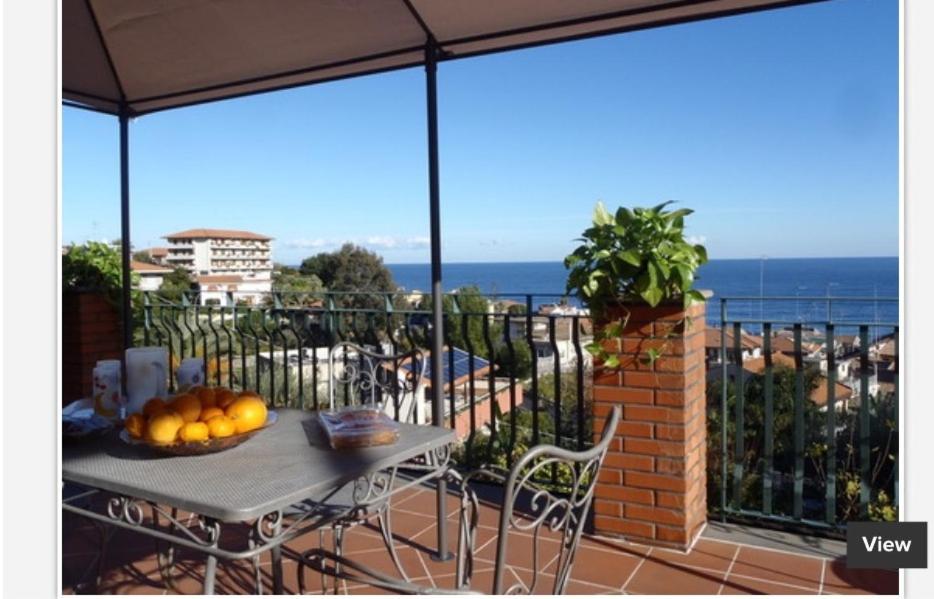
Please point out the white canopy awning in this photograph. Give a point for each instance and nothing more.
(150, 55)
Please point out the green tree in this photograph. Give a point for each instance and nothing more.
(283, 269)
(352, 269)
(517, 362)
(95, 266)
(298, 289)
(567, 405)
(883, 443)
(143, 256)
(175, 284)
(471, 309)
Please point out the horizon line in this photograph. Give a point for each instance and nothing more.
(756, 258)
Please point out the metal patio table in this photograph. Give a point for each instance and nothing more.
(284, 482)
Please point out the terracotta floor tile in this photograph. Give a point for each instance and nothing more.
(739, 585)
(706, 555)
(411, 498)
(604, 568)
(521, 551)
(660, 578)
(482, 580)
(839, 579)
(382, 562)
(427, 540)
(602, 565)
(614, 545)
(780, 567)
(131, 578)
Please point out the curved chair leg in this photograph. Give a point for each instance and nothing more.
(385, 528)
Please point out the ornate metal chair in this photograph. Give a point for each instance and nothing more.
(392, 383)
(545, 512)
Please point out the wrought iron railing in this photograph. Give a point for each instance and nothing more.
(803, 414)
(514, 376)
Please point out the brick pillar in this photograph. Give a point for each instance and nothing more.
(91, 331)
(652, 488)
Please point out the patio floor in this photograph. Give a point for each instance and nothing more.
(602, 566)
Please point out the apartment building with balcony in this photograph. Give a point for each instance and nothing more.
(222, 261)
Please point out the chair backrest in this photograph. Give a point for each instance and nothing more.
(358, 376)
(546, 512)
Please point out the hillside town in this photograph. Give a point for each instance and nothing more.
(814, 354)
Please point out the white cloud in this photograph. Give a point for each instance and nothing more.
(695, 239)
(308, 244)
(396, 243)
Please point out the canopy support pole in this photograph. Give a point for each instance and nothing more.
(125, 229)
(437, 311)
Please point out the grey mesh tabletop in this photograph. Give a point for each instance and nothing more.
(285, 464)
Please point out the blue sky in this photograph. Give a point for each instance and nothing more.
(779, 128)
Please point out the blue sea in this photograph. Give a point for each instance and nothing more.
(805, 283)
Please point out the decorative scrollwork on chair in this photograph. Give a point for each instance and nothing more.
(391, 383)
(543, 512)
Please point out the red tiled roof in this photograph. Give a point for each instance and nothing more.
(757, 365)
(220, 279)
(786, 345)
(217, 234)
(157, 252)
(819, 394)
(747, 341)
(148, 268)
(887, 349)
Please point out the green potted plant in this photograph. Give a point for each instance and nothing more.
(91, 309)
(632, 257)
(93, 268)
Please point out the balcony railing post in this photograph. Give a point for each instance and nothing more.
(831, 488)
(724, 414)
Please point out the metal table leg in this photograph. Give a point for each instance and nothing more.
(210, 571)
(276, 554)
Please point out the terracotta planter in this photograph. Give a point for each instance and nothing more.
(653, 486)
(91, 331)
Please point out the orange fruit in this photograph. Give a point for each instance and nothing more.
(224, 397)
(178, 417)
(221, 426)
(135, 425)
(249, 393)
(153, 407)
(194, 431)
(188, 406)
(208, 413)
(205, 394)
(247, 413)
(163, 428)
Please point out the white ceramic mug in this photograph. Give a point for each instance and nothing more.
(146, 375)
(106, 393)
(190, 373)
